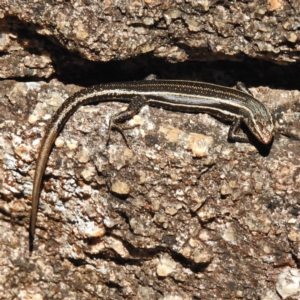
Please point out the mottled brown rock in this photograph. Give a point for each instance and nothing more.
(183, 214)
(177, 233)
(176, 30)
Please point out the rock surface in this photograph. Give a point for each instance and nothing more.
(183, 214)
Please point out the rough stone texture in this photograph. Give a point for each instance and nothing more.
(176, 30)
(184, 214)
(175, 233)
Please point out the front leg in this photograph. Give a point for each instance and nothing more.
(117, 120)
(233, 133)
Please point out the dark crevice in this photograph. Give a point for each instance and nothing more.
(70, 67)
(77, 262)
(296, 260)
(138, 255)
(114, 285)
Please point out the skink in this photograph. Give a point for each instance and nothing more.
(235, 105)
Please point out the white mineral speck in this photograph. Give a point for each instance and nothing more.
(89, 173)
(270, 295)
(117, 246)
(72, 144)
(225, 190)
(201, 256)
(229, 234)
(288, 283)
(165, 266)
(33, 86)
(200, 144)
(173, 297)
(90, 229)
(120, 187)
(83, 155)
(59, 142)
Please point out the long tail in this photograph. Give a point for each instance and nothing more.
(46, 147)
(93, 94)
